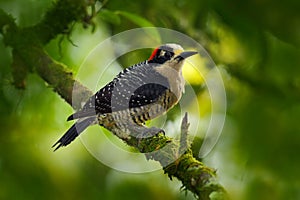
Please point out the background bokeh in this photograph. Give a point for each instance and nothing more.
(255, 45)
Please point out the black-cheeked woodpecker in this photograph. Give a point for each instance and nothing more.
(137, 94)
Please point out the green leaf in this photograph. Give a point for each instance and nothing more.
(109, 16)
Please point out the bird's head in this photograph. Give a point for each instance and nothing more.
(171, 54)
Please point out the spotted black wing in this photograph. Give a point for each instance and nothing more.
(136, 86)
(146, 94)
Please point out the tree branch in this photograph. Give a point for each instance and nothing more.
(29, 56)
(178, 161)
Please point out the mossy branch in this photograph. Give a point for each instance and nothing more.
(59, 78)
(178, 161)
(30, 57)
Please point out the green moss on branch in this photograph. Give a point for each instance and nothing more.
(59, 78)
(178, 161)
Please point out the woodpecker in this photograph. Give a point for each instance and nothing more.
(137, 94)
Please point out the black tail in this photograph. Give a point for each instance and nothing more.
(73, 132)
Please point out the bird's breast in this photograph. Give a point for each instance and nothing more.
(175, 79)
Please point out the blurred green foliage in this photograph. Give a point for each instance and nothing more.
(256, 45)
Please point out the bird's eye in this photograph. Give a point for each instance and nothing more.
(161, 56)
(168, 54)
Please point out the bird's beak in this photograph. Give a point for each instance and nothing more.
(185, 55)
